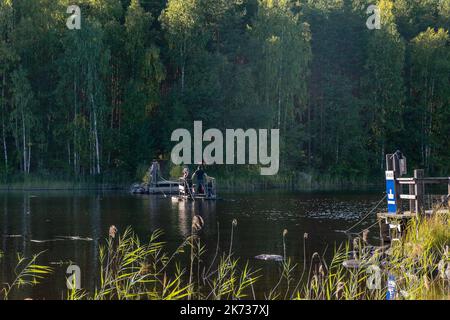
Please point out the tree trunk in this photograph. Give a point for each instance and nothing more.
(16, 137)
(182, 78)
(309, 134)
(183, 67)
(5, 148)
(24, 146)
(69, 153)
(75, 154)
(97, 147)
(29, 158)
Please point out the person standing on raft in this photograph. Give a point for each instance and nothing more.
(201, 175)
(154, 172)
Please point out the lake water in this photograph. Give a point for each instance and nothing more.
(70, 226)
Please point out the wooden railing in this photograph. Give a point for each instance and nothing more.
(416, 189)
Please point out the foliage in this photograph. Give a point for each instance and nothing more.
(104, 100)
(130, 269)
(27, 273)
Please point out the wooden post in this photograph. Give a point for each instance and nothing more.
(398, 186)
(412, 207)
(448, 192)
(419, 190)
(380, 227)
(389, 163)
(393, 164)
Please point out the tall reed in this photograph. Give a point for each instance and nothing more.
(418, 265)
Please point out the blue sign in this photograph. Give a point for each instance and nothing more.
(390, 191)
(391, 288)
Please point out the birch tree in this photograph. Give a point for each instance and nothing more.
(384, 84)
(22, 115)
(430, 76)
(7, 61)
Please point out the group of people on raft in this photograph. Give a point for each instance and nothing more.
(204, 184)
(202, 180)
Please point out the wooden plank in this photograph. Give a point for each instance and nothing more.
(419, 190)
(428, 180)
(405, 214)
(432, 180)
(408, 214)
(406, 179)
(448, 194)
(407, 182)
(412, 203)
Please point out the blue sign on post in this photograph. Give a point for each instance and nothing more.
(392, 288)
(390, 191)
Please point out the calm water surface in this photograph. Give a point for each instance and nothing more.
(31, 222)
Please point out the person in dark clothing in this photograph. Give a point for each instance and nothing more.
(200, 174)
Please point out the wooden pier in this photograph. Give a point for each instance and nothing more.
(392, 223)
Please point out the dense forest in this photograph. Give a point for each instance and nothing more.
(104, 99)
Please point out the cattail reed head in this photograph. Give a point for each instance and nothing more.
(365, 235)
(112, 231)
(356, 243)
(321, 271)
(314, 281)
(197, 223)
(339, 290)
(144, 269)
(426, 282)
(443, 270)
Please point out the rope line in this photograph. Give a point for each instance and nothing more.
(369, 227)
(367, 215)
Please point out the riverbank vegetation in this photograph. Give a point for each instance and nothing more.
(243, 180)
(31, 182)
(103, 100)
(415, 267)
(418, 266)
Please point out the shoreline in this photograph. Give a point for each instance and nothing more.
(246, 189)
(296, 181)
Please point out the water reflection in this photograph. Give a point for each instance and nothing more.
(61, 223)
(184, 210)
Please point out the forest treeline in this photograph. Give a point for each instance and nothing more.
(103, 100)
